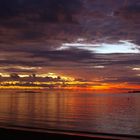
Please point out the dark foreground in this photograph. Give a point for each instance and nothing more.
(22, 134)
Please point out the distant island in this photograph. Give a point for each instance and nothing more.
(134, 91)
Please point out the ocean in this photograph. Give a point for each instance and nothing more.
(115, 113)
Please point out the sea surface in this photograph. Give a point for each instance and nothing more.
(71, 110)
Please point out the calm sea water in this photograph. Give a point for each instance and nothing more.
(78, 111)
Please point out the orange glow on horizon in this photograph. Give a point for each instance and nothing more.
(103, 87)
(58, 81)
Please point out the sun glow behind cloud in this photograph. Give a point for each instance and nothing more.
(49, 74)
(57, 81)
(137, 69)
(4, 75)
(54, 75)
(122, 46)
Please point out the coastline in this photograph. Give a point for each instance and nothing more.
(17, 133)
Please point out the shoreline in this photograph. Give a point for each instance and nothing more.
(17, 133)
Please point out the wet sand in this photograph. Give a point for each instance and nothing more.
(22, 134)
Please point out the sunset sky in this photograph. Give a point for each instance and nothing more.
(91, 40)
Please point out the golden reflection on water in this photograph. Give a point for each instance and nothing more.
(110, 113)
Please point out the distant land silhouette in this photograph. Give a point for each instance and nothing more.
(134, 91)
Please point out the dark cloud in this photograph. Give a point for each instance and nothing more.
(128, 79)
(64, 55)
(121, 59)
(31, 35)
(31, 31)
(16, 70)
(22, 63)
(130, 12)
(44, 10)
(35, 20)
